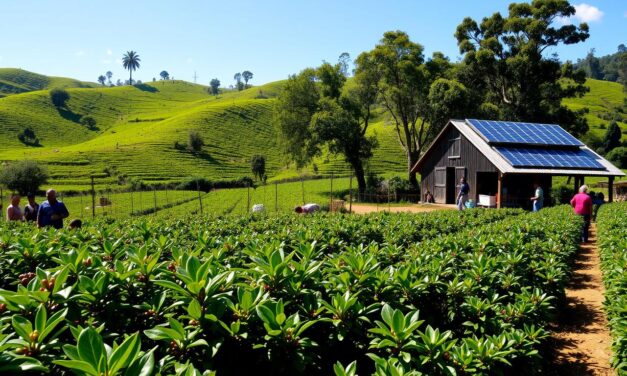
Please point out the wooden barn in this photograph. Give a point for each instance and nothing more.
(502, 161)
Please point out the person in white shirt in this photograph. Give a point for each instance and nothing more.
(307, 209)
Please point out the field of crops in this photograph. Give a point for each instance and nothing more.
(438, 293)
(612, 228)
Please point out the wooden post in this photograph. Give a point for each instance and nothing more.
(331, 195)
(610, 189)
(247, 198)
(132, 203)
(302, 187)
(93, 199)
(499, 192)
(276, 197)
(576, 187)
(350, 194)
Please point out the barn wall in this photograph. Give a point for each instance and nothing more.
(442, 156)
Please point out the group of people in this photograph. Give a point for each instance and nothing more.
(49, 213)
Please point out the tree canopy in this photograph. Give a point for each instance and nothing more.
(24, 176)
(130, 61)
(214, 86)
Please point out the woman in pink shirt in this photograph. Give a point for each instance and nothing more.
(582, 203)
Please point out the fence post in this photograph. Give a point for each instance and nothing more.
(388, 196)
(132, 203)
(154, 193)
(93, 199)
(141, 204)
(331, 195)
(247, 197)
(350, 194)
(199, 198)
(302, 187)
(276, 197)
(82, 208)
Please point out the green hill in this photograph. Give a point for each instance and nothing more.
(16, 81)
(141, 132)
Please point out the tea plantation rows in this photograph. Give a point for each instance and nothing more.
(439, 293)
(612, 228)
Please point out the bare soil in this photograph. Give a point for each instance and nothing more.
(581, 339)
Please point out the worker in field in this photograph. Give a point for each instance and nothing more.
(582, 204)
(52, 211)
(30, 210)
(462, 196)
(537, 200)
(14, 213)
(307, 209)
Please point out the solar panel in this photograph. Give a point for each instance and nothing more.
(508, 132)
(528, 157)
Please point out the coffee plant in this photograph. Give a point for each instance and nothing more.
(446, 293)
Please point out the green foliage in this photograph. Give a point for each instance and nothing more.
(102, 79)
(28, 137)
(164, 75)
(247, 76)
(59, 97)
(503, 59)
(16, 81)
(618, 156)
(612, 137)
(214, 86)
(562, 194)
(195, 142)
(612, 244)
(611, 67)
(258, 166)
(131, 62)
(89, 122)
(23, 176)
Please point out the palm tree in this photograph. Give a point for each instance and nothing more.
(130, 61)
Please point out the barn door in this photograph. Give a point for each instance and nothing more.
(460, 172)
(439, 193)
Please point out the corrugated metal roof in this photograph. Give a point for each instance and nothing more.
(506, 168)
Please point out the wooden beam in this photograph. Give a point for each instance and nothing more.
(576, 184)
(499, 191)
(610, 189)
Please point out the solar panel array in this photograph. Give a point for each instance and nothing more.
(508, 132)
(553, 158)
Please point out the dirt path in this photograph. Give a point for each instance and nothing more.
(416, 208)
(581, 340)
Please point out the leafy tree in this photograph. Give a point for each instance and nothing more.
(238, 81)
(403, 88)
(109, 74)
(258, 166)
(130, 61)
(612, 137)
(214, 86)
(247, 76)
(505, 65)
(59, 97)
(102, 79)
(23, 176)
(344, 61)
(164, 75)
(28, 137)
(119, 82)
(618, 156)
(195, 142)
(313, 111)
(88, 121)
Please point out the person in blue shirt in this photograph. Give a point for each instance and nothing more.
(462, 196)
(52, 211)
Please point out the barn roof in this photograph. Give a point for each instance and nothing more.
(528, 148)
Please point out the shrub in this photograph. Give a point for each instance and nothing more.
(24, 176)
(28, 137)
(195, 142)
(59, 97)
(618, 156)
(88, 121)
(562, 194)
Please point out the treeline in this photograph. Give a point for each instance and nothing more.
(611, 67)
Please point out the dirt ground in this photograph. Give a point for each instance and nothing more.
(581, 340)
(415, 208)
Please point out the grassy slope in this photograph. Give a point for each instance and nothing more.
(15, 81)
(138, 126)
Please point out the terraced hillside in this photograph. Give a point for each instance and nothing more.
(16, 81)
(139, 127)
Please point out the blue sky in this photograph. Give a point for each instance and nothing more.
(85, 38)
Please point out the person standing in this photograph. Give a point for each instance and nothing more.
(14, 213)
(462, 196)
(52, 211)
(538, 199)
(30, 210)
(582, 204)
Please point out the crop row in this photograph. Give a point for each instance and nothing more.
(283, 295)
(612, 229)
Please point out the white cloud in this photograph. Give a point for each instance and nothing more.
(109, 52)
(587, 13)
